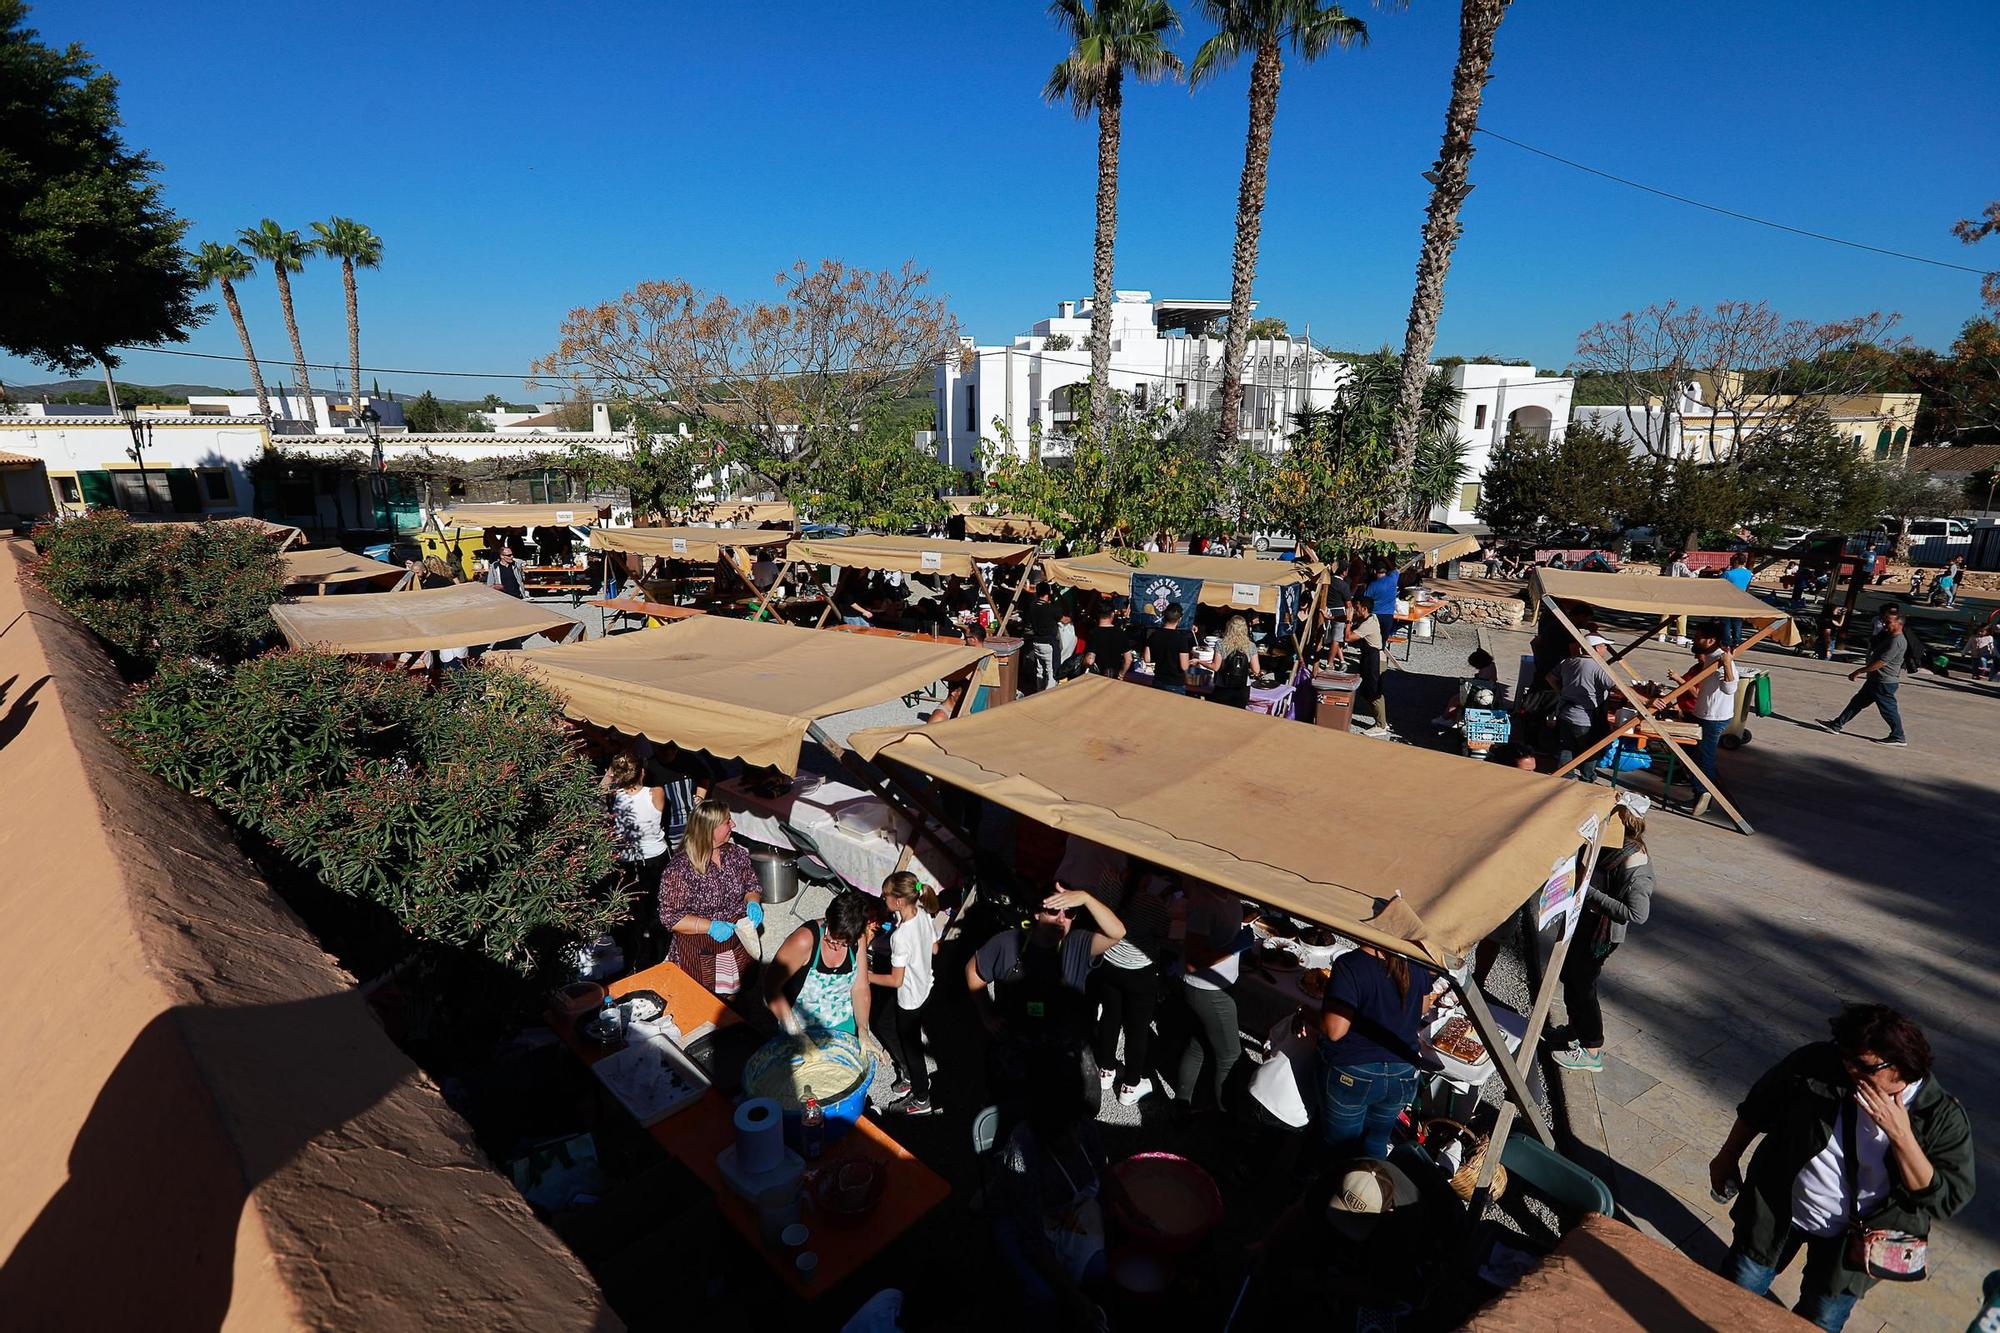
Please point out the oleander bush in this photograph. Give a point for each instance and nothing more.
(463, 809)
(156, 594)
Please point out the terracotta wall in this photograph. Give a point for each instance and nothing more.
(203, 1125)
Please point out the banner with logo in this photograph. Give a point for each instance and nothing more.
(1152, 594)
(1290, 609)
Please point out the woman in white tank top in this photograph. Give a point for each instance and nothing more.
(637, 810)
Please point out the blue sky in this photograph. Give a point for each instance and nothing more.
(521, 159)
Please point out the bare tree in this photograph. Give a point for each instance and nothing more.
(1737, 365)
(1972, 231)
(777, 382)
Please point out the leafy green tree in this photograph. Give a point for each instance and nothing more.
(90, 257)
(1903, 494)
(1688, 501)
(1108, 40)
(1114, 486)
(224, 266)
(286, 254)
(1261, 29)
(355, 246)
(424, 413)
(157, 594)
(1534, 484)
(1802, 472)
(466, 810)
(1360, 423)
(876, 477)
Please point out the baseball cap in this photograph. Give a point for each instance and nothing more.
(1366, 1190)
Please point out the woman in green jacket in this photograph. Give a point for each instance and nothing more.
(1870, 1095)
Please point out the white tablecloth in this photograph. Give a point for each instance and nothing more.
(860, 837)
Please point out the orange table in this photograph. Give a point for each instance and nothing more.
(697, 1133)
(635, 606)
(1418, 611)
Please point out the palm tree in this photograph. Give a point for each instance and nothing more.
(1264, 27)
(1109, 40)
(224, 266)
(286, 254)
(1478, 21)
(355, 246)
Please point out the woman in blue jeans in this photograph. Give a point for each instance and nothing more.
(1368, 1048)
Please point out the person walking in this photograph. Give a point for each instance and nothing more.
(1864, 1151)
(1879, 677)
(1366, 632)
(1620, 894)
(1713, 707)
(1737, 574)
(1213, 958)
(1368, 1048)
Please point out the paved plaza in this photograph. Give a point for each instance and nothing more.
(1869, 878)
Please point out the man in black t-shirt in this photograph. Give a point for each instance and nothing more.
(1107, 648)
(1043, 618)
(1168, 649)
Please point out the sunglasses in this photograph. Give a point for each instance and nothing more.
(1856, 1067)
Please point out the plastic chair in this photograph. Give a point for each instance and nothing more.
(985, 1130)
(1556, 1176)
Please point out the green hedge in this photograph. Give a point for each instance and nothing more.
(465, 810)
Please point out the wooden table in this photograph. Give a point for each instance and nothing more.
(697, 1133)
(1418, 611)
(636, 606)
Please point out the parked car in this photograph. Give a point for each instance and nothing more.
(1933, 541)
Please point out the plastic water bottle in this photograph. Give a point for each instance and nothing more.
(812, 1128)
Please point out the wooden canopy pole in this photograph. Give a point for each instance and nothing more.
(1027, 572)
(924, 817)
(764, 603)
(1648, 711)
(986, 591)
(1311, 621)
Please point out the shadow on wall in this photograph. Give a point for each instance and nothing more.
(144, 1230)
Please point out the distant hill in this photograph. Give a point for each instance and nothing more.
(92, 391)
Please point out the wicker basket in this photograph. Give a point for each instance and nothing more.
(1440, 1128)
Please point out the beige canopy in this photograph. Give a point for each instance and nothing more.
(1240, 800)
(749, 513)
(1435, 547)
(1646, 595)
(1245, 584)
(330, 564)
(464, 615)
(284, 534)
(698, 544)
(579, 514)
(737, 689)
(911, 555)
(1007, 526)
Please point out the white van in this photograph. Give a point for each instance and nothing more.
(1933, 541)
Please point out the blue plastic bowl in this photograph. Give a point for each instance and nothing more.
(841, 1106)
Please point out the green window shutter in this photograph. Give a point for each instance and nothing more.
(97, 489)
(185, 490)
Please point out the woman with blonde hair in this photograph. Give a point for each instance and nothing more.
(1236, 664)
(706, 890)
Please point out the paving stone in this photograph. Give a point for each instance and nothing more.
(1620, 1081)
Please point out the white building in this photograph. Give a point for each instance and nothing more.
(1161, 354)
(1712, 411)
(290, 409)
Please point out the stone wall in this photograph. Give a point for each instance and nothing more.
(205, 1126)
(1500, 603)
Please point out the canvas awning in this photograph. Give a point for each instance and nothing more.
(1428, 854)
(1014, 527)
(284, 534)
(1645, 595)
(464, 615)
(748, 513)
(518, 516)
(697, 544)
(1434, 547)
(737, 689)
(910, 555)
(1245, 584)
(330, 564)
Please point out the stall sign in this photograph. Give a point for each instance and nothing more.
(932, 559)
(1562, 896)
(1244, 594)
(1152, 594)
(679, 544)
(565, 516)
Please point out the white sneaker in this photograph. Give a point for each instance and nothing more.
(1105, 1078)
(1130, 1096)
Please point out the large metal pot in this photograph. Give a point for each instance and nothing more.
(777, 874)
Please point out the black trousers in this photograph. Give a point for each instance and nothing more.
(1579, 982)
(900, 1031)
(1126, 999)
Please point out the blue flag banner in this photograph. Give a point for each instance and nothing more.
(1289, 609)
(1152, 594)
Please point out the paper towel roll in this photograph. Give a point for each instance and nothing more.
(760, 1136)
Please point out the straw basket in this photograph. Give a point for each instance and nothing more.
(1438, 1131)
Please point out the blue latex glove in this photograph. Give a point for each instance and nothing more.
(754, 911)
(721, 931)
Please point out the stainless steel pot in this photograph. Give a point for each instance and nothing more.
(777, 874)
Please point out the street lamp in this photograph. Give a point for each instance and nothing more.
(142, 440)
(378, 465)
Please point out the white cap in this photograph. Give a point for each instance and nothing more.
(1367, 1189)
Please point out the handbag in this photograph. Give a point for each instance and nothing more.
(1881, 1252)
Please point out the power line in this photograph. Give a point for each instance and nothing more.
(1730, 212)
